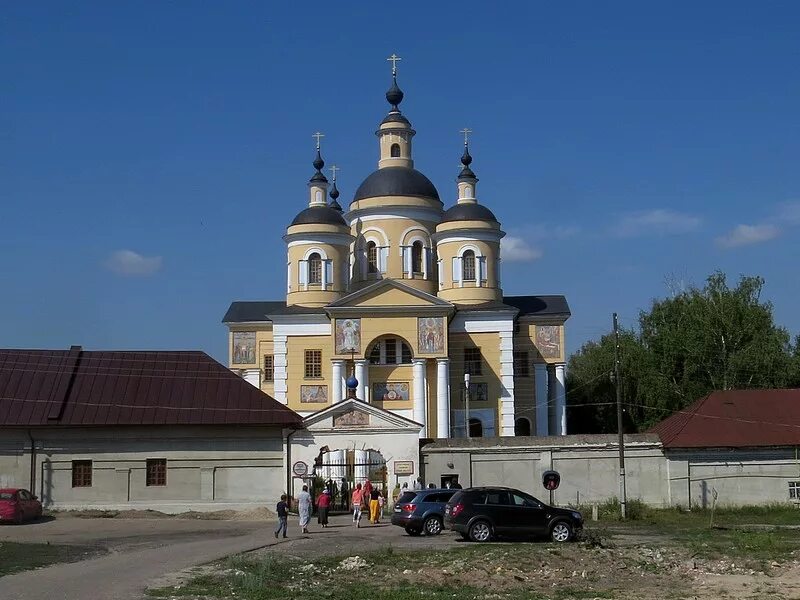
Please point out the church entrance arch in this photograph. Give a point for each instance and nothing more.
(340, 470)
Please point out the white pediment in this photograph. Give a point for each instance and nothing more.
(355, 415)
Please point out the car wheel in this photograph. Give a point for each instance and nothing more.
(561, 532)
(480, 531)
(433, 526)
(412, 532)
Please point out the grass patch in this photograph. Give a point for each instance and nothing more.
(16, 557)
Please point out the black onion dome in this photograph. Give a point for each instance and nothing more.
(395, 95)
(395, 117)
(396, 181)
(468, 212)
(334, 198)
(319, 215)
(318, 164)
(466, 160)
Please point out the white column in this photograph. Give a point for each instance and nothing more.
(280, 364)
(337, 375)
(253, 377)
(361, 469)
(419, 395)
(561, 400)
(362, 371)
(506, 425)
(540, 374)
(443, 398)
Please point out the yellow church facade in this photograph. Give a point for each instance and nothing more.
(403, 297)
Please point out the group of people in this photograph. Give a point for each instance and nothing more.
(365, 497)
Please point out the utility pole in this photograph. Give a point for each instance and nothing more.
(466, 402)
(618, 384)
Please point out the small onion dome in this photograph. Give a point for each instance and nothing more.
(351, 383)
(395, 95)
(468, 212)
(334, 198)
(318, 164)
(320, 215)
(396, 181)
(466, 160)
(396, 117)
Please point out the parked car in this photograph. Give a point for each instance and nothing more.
(480, 514)
(17, 505)
(421, 511)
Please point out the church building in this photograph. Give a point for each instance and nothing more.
(401, 290)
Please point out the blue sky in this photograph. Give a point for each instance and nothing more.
(153, 153)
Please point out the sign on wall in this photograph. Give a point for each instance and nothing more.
(300, 469)
(431, 332)
(313, 394)
(390, 390)
(244, 347)
(548, 340)
(404, 467)
(348, 336)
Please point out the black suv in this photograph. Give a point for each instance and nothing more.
(421, 510)
(479, 514)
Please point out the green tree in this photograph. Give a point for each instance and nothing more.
(696, 341)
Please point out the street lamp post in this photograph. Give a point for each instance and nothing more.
(466, 403)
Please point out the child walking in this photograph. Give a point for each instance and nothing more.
(283, 516)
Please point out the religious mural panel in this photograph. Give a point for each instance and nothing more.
(348, 336)
(244, 347)
(390, 390)
(313, 394)
(431, 331)
(354, 418)
(548, 340)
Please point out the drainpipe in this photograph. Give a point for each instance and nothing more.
(33, 463)
(289, 463)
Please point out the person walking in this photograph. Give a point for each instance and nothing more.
(304, 508)
(323, 504)
(344, 490)
(381, 503)
(283, 516)
(374, 505)
(358, 501)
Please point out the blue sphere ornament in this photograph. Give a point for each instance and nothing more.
(351, 383)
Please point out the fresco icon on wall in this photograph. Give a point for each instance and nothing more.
(348, 336)
(479, 392)
(390, 390)
(353, 418)
(548, 340)
(313, 394)
(244, 347)
(431, 335)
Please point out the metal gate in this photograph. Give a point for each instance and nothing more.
(341, 470)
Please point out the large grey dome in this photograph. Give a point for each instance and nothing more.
(468, 212)
(319, 215)
(396, 181)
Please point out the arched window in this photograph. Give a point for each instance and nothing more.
(390, 351)
(315, 268)
(394, 151)
(522, 426)
(475, 428)
(468, 268)
(416, 257)
(372, 257)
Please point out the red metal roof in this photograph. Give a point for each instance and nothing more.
(735, 419)
(90, 388)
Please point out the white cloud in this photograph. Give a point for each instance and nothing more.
(745, 235)
(658, 221)
(130, 263)
(516, 249)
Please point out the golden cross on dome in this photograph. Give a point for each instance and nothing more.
(318, 135)
(393, 59)
(466, 133)
(334, 168)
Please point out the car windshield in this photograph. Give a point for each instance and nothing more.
(406, 497)
(6, 496)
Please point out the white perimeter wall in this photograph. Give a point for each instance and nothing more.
(208, 468)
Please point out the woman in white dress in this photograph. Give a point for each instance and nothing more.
(304, 508)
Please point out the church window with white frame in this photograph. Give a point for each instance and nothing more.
(417, 252)
(372, 257)
(390, 351)
(794, 490)
(468, 265)
(315, 269)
